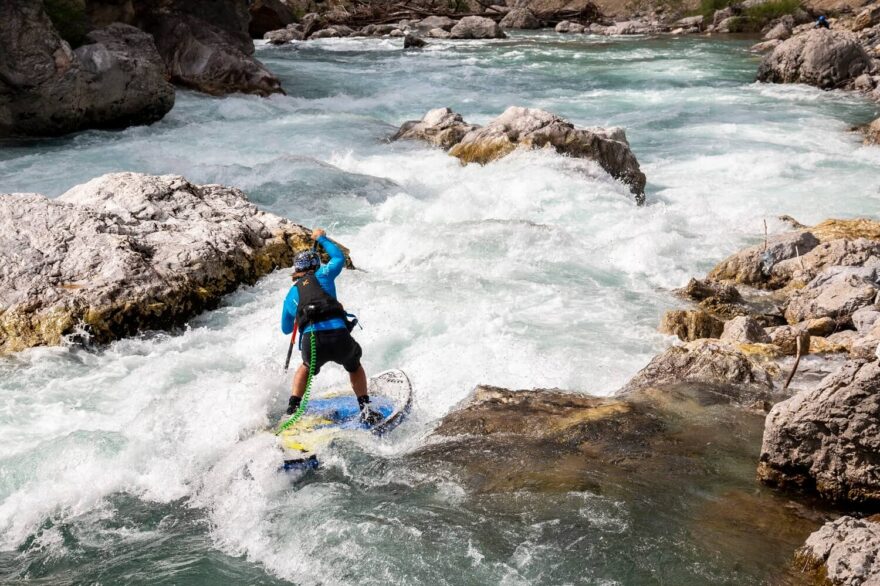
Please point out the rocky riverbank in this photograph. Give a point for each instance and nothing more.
(127, 252)
(681, 422)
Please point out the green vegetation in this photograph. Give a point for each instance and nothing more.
(770, 10)
(69, 18)
(751, 19)
(708, 7)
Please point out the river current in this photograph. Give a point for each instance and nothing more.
(144, 461)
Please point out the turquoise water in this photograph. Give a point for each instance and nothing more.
(143, 461)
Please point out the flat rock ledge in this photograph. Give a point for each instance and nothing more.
(128, 252)
(845, 552)
(528, 128)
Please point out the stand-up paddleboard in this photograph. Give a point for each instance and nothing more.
(330, 414)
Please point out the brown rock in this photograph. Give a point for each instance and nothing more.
(691, 325)
(703, 361)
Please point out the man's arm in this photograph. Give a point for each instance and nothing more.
(337, 257)
(288, 312)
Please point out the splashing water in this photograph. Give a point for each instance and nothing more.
(144, 460)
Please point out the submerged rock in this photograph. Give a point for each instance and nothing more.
(413, 42)
(824, 58)
(532, 128)
(827, 440)
(116, 79)
(127, 252)
(844, 552)
(476, 27)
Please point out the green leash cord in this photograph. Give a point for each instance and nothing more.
(305, 398)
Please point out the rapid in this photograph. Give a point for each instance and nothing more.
(147, 460)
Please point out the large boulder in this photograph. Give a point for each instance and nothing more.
(843, 552)
(690, 325)
(206, 46)
(703, 361)
(476, 27)
(115, 79)
(269, 15)
(754, 265)
(824, 58)
(520, 18)
(441, 127)
(827, 440)
(532, 128)
(127, 252)
(837, 293)
(413, 42)
(442, 22)
(567, 26)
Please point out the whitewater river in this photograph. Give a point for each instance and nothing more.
(144, 461)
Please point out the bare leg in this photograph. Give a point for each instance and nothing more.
(299, 381)
(358, 381)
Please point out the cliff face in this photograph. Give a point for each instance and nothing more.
(68, 65)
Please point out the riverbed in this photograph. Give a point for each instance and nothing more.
(147, 461)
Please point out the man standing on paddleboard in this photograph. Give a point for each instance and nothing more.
(312, 308)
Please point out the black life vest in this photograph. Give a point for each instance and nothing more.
(315, 305)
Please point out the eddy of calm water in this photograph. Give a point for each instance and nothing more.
(145, 462)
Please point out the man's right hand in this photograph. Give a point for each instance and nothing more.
(317, 233)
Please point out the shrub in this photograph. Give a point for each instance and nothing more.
(771, 10)
(708, 7)
(69, 19)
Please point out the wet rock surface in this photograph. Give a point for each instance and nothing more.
(682, 454)
(710, 362)
(845, 552)
(127, 252)
(528, 128)
(827, 440)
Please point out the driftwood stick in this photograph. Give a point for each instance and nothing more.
(797, 360)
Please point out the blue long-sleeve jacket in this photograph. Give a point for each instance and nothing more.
(326, 275)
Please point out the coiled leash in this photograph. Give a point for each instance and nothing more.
(305, 398)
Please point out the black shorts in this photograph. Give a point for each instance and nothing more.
(332, 346)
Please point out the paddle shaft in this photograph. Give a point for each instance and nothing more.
(290, 348)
